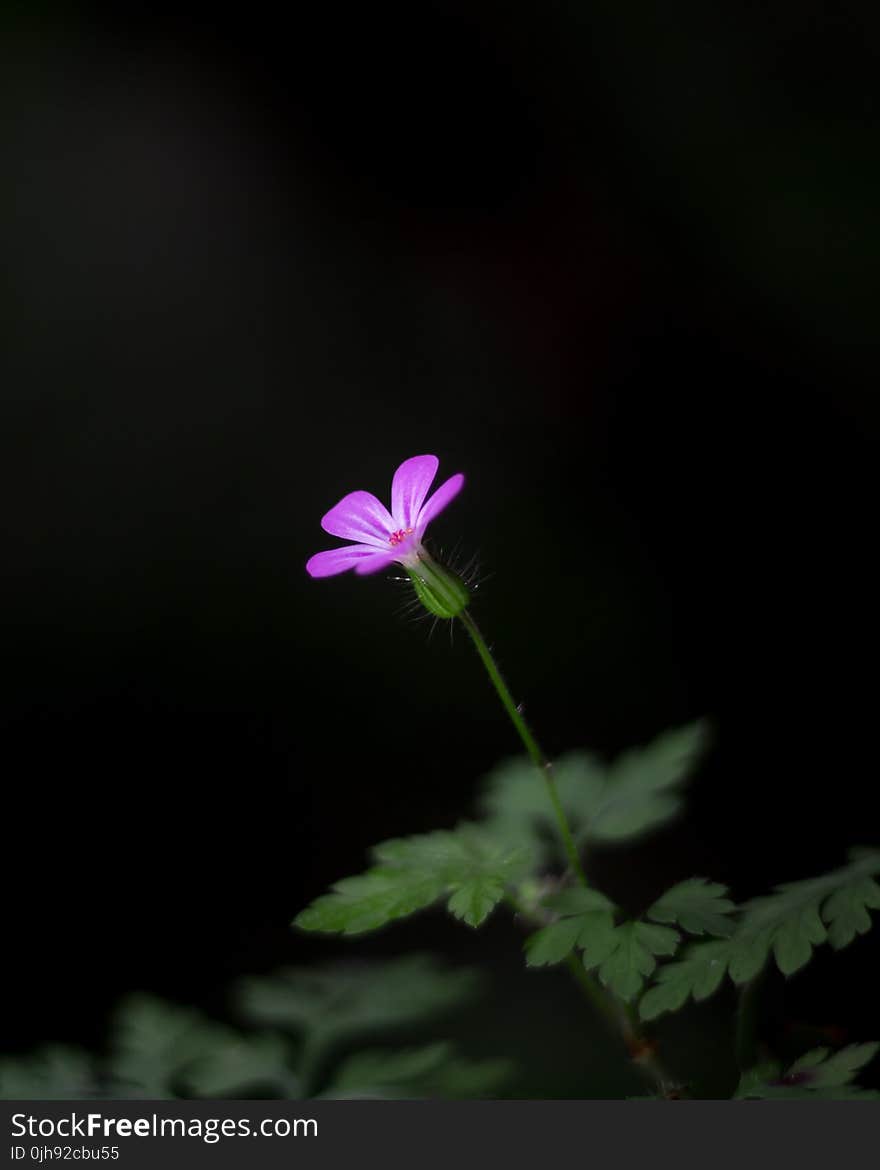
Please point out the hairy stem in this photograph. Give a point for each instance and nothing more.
(532, 746)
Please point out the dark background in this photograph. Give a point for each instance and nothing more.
(618, 264)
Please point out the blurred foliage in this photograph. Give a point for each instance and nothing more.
(325, 1008)
(431, 1071)
(161, 1050)
(637, 793)
(54, 1073)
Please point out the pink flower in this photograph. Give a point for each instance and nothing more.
(382, 536)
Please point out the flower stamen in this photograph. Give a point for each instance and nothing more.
(399, 536)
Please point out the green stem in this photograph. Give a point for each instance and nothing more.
(620, 1017)
(310, 1059)
(747, 1025)
(602, 1002)
(531, 744)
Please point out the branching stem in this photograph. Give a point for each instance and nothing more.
(620, 1016)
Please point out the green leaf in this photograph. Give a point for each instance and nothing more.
(471, 865)
(434, 1070)
(697, 973)
(585, 915)
(49, 1074)
(748, 955)
(330, 1006)
(638, 793)
(162, 1050)
(816, 1074)
(467, 865)
(798, 916)
(698, 906)
(788, 924)
(794, 939)
(516, 808)
(235, 1064)
(577, 900)
(643, 787)
(846, 911)
(809, 1059)
(838, 1069)
(783, 1092)
(626, 955)
(598, 938)
(369, 901)
(339, 1001)
(552, 943)
(474, 901)
(153, 1044)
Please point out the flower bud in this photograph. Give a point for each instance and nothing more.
(440, 592)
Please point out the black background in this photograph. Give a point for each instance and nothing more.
(616, 263)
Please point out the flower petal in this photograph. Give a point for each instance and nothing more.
(444, 494)
(360, 516)
(374, 562)
(339, 560)
(410, 486)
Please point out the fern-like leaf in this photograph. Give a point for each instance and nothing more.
(467, 866)
(637, 793)
(786, 924)
(817, 1074)
(698, 906)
